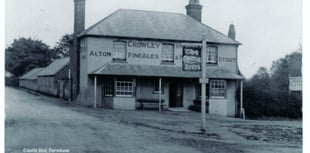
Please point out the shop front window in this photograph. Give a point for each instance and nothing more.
(124, 88)
(119, 51)
(217, 88)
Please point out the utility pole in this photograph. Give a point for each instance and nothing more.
(203, 80)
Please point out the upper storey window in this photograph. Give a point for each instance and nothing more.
(167, 53)
(212, 53)
(119, 51)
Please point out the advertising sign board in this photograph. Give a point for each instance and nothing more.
(191, 58)
(295, 83)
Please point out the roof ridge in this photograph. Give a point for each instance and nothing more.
(211, 28)
(218, 32)
(153, 11)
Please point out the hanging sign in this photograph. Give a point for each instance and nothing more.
(295, 83)
(191, 58)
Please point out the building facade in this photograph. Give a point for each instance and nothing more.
(133, 56)
(30, 79)
(49, 79)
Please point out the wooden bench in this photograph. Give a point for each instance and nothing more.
(143, 101)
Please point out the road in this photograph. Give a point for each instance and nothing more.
(36, 123)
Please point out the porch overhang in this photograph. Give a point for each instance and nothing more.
(170, 71)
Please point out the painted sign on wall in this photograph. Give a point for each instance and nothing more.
(192, 58)
(295, 83)
(143, 44)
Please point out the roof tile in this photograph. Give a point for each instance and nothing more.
(155, 25)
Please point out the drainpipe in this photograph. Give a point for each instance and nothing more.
(95, 92)
(159, 108)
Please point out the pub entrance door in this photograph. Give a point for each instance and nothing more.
(175, 94)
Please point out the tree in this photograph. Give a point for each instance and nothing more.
(267, 93)
(290, 65)
(256, 94)
(25, 54)
(62, 47)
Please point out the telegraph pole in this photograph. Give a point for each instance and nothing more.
(203, 80)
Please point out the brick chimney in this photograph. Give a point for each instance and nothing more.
(193, 9)
(79, 16)
(232, 32)
(79, 26)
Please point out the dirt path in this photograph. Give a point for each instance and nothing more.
(39, 122)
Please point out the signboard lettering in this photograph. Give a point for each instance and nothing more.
(99, 53)
(227, 59)
(295, 83)
(143, 55)
(192, 58)
(142, 44)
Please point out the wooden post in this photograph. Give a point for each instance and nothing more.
(95, 92)
(159, 104)
(242, 112)
(203, 82)
(70, 81)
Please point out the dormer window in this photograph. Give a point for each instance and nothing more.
(119, 51)
(212, 53)
(167, 53)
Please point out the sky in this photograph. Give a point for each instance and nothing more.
(267, 29)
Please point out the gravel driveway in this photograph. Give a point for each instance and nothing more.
(36, 123)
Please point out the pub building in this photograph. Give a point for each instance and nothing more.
(132, 58)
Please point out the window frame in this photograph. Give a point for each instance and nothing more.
(116, 58)
(219, 87)
(110, 88)
(212, 62)
(156, 85)
(164, 59)
(118, 89)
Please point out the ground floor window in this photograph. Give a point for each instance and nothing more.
(118, 87)
(124, 87)
(108, 87)
(218, 88)
(156, 86)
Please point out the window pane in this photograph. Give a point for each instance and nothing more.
(167, 52)
(119, 50)
(211, 55)
(124, 87)
(218, 88)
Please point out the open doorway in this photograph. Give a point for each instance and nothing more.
(175, 94)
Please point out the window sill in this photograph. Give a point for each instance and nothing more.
(212, 64)
(124, 96)
(167, 63)
(119, 61)
(217, 97)
(157, 92)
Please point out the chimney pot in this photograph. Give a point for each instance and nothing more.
(193, 9)
(232, 32)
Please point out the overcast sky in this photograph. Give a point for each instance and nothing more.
(267, 29)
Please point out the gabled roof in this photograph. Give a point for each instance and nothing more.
(124, 69)
(54, 67)
(32, 74)
(155, 25)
